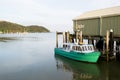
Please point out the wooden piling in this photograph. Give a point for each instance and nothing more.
(89, 40)
(68, 37)
(56, 39)
(63, 37)
(93, 42)
(111, 44)
(107, 45)
(81, 39)
(76, 36)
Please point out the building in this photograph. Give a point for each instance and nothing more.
(95, 23)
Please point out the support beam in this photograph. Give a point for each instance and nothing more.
(101, 26)
(81, 39)
(76, 36)
(111, 44)
(56, 39)
(107, 45)
(63, 37)
(68, 37)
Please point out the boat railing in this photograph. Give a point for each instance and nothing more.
(78, 48)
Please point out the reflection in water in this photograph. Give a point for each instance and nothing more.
(80, 70)
(109, 70)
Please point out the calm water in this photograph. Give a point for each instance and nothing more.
(31, 57)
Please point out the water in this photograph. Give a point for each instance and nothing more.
(31, 57)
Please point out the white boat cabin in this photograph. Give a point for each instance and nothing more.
(84, 48)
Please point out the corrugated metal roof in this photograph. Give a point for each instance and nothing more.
(99, 13)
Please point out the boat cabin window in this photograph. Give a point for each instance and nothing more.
(64, 46)
(86, 48)
(74, 48)
(83, 48)
(79, 48)
(90, 48)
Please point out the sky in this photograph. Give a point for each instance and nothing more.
(56, 15)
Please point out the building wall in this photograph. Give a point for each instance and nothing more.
(91, 26)
(112, 22)
(98, 26)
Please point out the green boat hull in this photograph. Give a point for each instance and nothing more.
(86, 57)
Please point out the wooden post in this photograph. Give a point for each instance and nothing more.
(68, 37)
(56, 39)
(81, 39)
(107, 45)
(88, 41)
(76, 36)
(63, 37)
(118, 50)
(111, 44)
(93, 42)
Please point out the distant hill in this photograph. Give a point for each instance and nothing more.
(8, 27)
(35, 28)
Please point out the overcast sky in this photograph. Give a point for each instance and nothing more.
(55, 15)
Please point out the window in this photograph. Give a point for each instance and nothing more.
(86, 48)
(89, 48)
(83, 48)
(79, 48)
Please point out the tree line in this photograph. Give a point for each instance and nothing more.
(9, 27)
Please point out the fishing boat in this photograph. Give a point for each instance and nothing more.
(76, 51)
(84, 52)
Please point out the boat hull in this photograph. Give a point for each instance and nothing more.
(86, 57)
